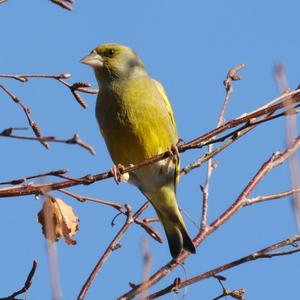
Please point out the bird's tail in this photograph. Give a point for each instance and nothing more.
(164, 202)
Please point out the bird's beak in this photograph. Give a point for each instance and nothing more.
(93, 59)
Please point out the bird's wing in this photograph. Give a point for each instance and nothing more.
(171, 114)
(166, 101)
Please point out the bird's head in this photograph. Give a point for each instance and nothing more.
(112, 62)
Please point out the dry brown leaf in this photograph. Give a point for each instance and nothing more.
(58, 220)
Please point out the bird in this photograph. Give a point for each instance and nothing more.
(137, 122)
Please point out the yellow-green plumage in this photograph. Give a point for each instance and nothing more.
(137, 122)
(131, 127)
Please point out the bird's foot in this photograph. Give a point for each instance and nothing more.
(117, 171)
(174, 152)
(180, 142)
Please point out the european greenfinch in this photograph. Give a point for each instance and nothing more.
(137, 123)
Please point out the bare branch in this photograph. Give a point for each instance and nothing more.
(75, 140)
(263, 253)
(34, 126)
(120, 208)
(200, 161)
(281, 102)
(271, 197)
(194, 144)
(150, 220)
(231, 76)
(111, 247)
(271, 163)
(21, 180)
(74, 88)
(27, 283)
(117, 206)
(62, 4)
(236, 294)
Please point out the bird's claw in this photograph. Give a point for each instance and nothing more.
(180, 142)
(174, 152)
(117, 171)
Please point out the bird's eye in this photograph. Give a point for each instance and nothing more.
(110, 52)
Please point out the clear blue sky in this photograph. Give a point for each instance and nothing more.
(188, 47)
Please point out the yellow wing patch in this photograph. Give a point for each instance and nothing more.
(166, 100)
(171, 114)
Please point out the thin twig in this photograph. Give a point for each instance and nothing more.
(117, 206)
(234, 135)
(200, 161)
(62, 4)
(77, 86)
(194, 144)
(236, 294)
(34, 126)
(271, 197)
(74, 88)
(285, 100)
(274, 161)
(21, 180)
(150, 220)
(129, 220)
(263, 253)
(231, 76)
(27, 283)
(75, 140)
(120, 208)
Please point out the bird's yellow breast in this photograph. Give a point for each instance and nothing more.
(135, 121)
